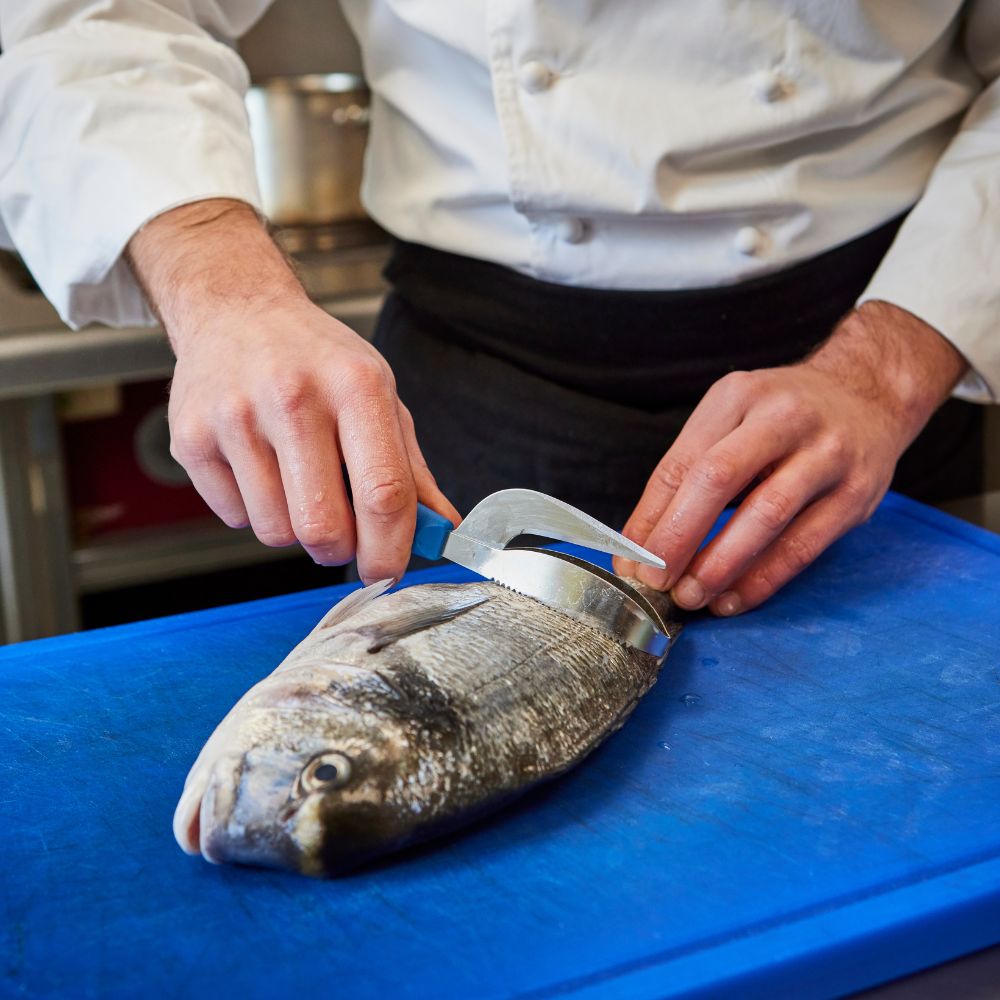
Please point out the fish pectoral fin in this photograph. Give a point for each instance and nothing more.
(353, 603)
(409, 622)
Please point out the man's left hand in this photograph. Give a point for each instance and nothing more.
(820, 439)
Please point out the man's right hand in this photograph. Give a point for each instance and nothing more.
(271, 396)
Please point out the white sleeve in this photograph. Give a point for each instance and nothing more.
(109, 115)
(944, 265)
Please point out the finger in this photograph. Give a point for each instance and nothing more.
(218, 489)
(718, 413)
(305, 442)
(810, 534)
(385, 496)
(428, 491)
(214, 481)
(711, 482)
(196, 449)
(255, 469)
(757, 522)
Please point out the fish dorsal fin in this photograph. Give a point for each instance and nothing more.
(352, 604)
(409, 622)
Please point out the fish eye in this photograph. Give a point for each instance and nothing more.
(329, 770)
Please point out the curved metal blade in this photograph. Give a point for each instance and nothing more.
(629, 592)
(574, 587)
(503, 516)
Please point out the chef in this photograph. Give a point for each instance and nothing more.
(651, 258)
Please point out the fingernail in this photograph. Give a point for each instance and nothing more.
(624, 567)
(658, 579)
(689, 593)
(728, 604)
(327, 557)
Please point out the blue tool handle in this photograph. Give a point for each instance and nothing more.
(432, 532)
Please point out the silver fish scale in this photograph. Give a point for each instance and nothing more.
(536, 689)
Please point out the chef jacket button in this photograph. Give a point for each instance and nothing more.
(749, 241)
(571, 230)
(535, 76)
(770, 86)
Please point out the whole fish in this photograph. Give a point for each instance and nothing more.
(402, 717)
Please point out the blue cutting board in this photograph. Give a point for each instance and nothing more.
(807, 803)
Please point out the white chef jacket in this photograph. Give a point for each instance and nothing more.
(641, 144)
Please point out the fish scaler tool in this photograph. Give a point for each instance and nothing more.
(563, 582)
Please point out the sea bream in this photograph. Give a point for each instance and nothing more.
(401, 717)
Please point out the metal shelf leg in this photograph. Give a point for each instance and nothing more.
(37, 591)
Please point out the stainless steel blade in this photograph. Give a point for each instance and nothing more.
(584, 592)
(503, 516)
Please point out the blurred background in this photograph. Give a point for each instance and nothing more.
(98, 524)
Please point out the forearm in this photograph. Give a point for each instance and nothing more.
(882, 353)
(206, 258)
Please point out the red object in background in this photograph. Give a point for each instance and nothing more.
(119, 471)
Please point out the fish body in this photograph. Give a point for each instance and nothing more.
(402, 717)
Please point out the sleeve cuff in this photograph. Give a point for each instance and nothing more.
(142, 124)
(113, 296)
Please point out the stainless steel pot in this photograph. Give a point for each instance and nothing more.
(309, 135)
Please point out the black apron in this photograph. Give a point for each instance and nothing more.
(578, 392)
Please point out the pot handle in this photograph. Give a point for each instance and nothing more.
(352, 114)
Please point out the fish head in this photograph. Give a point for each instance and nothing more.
(312, 774)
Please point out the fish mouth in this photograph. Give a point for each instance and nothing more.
(232, 827)
(205, 806)
(215, 815)
(187, 817)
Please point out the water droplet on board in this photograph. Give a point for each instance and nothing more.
(663, 745)
(709, 661)
(690, 699)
